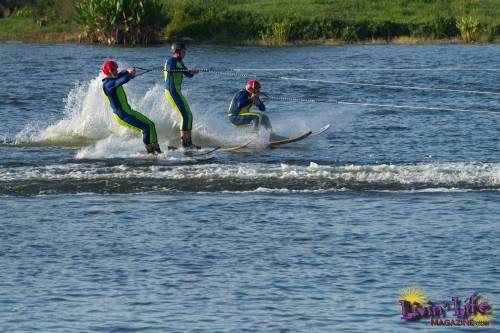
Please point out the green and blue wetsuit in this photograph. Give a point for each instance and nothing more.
(174, 72)
(240, 115)
(122, 111)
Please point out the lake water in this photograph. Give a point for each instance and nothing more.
(318, 236)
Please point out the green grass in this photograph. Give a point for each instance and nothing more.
(28, 25)
(17, 24)
(280, 21)
(26, 29)
(401, 11)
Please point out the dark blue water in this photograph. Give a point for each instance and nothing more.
(319, 236)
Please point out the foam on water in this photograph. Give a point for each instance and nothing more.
(83, 119)
(263, 177)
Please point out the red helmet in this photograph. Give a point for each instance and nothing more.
(109, 66)
(252, 85)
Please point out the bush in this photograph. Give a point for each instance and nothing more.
(277, 33)
(488, 33)
(126, 22)
(443, 27)
(469, 28)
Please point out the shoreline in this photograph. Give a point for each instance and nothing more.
(40, 37)
(63, 37)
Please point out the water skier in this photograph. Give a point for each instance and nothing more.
(239, 109)
(124, 114)
(174, 72)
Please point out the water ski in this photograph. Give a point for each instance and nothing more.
(321, 130)
(277, 140)
(230, 149)
(196, 153)
(281, 141)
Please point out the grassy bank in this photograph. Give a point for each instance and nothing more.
(26, 29)
(38, 20)
(281, 22)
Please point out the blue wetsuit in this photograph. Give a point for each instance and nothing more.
(123, 113)
(240, 115)
(173, 94)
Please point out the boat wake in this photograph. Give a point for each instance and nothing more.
(176, 175)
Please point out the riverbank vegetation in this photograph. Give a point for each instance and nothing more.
(127, 22)
(267, 22)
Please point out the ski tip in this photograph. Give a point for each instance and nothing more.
(322, 129)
